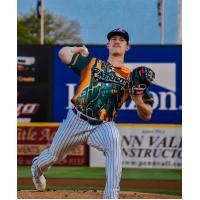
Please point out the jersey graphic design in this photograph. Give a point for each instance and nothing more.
(103, 88)
(105, 93)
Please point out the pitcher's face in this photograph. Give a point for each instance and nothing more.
(117, 45)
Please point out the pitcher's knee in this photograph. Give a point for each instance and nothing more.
(53, 159)
(46, 160)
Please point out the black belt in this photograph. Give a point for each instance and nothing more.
(90, 121)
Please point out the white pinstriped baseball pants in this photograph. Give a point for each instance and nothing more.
(74, 131)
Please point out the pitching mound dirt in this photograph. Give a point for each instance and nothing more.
(30, 194)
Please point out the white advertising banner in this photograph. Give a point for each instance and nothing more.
(146, 146)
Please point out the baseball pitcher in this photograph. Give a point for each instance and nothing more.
(104, 87)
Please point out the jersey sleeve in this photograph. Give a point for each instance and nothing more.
(78, 63)
(148, 98)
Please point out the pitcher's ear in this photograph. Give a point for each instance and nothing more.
(128, 47)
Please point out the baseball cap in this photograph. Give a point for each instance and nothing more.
(118, 31)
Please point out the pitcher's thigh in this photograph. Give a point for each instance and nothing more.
(105, 137)
(69, 134)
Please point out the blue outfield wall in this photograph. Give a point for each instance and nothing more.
(167, 89)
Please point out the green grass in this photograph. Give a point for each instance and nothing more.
(99, 173)
(154, 191)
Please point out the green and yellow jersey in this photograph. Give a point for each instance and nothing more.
(103, 88)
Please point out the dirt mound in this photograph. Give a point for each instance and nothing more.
(30, 194)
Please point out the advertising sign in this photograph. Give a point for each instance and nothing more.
(32, 103)
(33, 138)
(166, 90)
(146, 147)
(34, 66)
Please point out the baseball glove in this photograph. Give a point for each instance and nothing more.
(140, 79)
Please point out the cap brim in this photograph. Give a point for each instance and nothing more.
(111, 34)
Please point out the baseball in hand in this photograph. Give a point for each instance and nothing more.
(85, 51)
